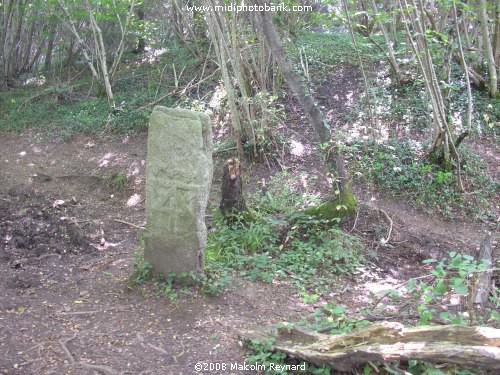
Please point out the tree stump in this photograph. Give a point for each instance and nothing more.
(232, 189)
(483, 283)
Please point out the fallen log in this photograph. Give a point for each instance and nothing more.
(469, 347)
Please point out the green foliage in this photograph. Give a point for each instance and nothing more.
(486, 118)
(278, 243)
(409, 105)
(330, 49)
(333, 319)
(64, 109)
(446, 293)
(117, 181)
(142, 270)
(315, 251)
(401, 169)
(454, 275)
(214, 283)
(263, 355)
(267, 126)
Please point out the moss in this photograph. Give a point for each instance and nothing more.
(343, 206)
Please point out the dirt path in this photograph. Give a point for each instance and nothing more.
(65, 302)
(66, 305)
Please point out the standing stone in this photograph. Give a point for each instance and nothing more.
(178, 178)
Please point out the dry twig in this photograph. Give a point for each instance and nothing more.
(63, 343)
(131, 224)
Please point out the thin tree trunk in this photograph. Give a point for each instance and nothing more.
(121, 45)
(220, 49)
(496, 36)
(101, 57)
(390, 52)
(466, 70)
(50, 44)
(81, 42)
(483, 18)
(307, 102)
(443, 147)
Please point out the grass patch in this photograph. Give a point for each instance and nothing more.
(332, 49)
(309, 253)
(62, 110)
(117, 182)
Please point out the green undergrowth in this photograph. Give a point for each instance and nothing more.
(62, 109)
(278, 243)
(407, 105)
(325, 51)
(443, 296)
(401, 169)
(282, 243)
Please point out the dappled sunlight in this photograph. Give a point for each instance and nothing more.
(35, 81)
(152, 54)
(134, 169)
(110, 159)
(134, 200)
(217, 97)
(104, 161)
(373, 284)
(298, 149)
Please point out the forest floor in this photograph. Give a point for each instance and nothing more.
(66, 305)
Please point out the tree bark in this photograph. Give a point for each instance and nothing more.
(307, 102)
(50, 43)
(463, 63)
(390, 51)
(496, 35)
(232, 189)
(483, 18)
(472, 347)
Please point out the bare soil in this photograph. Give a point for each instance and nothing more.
(66, 305)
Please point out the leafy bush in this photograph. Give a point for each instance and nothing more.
(400, 169)
(454, 275)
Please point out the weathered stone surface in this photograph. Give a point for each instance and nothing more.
(178, 178)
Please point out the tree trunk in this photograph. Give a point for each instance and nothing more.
(50, 44)
(307, 102)
(220, 47)
(472, 347)
(483, 18)
(463, 63)
(141, 43)
(496, 35)
(100, 50)
(390, 51)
